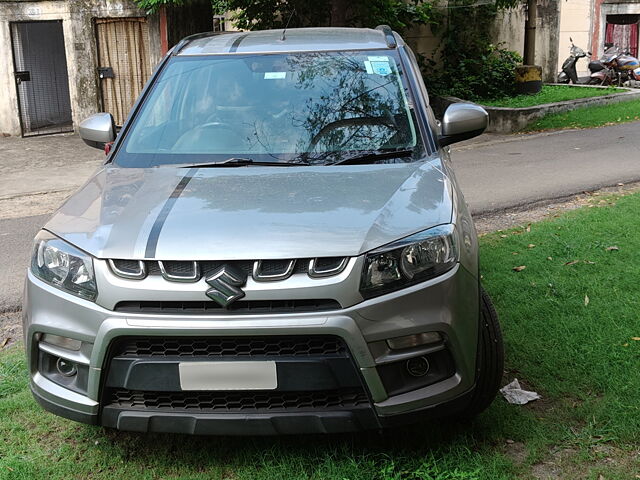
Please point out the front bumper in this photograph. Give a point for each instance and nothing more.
(448, 304)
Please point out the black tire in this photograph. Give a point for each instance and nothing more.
(490, 360)
(595, 81)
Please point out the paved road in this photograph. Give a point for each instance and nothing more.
(495, 174)
(16, 235)
(528, 168)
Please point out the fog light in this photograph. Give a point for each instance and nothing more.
(66, 368)
(410, 341)
(418, 367)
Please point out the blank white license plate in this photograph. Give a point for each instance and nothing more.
(228, 375)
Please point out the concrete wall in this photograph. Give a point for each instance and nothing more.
(508, 28)
(80, 49)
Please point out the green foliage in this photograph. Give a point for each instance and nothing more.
(154, 5)
(274, 14)
(270, 14)
(489, 72)
(550, 94)
(469, 65)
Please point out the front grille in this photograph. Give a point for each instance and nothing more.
(208, 267)
(128, 266)
(295, 346)
(239, 307)
(237, 401)
(181, 268)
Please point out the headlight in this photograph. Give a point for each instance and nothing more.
(63, 266)
(408, 261)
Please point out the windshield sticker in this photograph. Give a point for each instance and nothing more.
(367, 65)
(275, 75)
(378, 59)
(381, 68)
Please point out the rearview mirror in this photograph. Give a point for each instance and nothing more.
(98, 130)
(462, 121)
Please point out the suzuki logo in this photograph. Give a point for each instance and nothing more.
(224, 284)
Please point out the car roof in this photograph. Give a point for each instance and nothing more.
(295, 40)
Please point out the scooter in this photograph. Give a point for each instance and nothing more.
(569, 74)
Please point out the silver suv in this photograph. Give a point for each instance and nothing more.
(276, 243)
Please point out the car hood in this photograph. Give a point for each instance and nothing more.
(252, 212)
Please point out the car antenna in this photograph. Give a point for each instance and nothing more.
(287, 25)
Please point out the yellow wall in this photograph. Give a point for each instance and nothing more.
(576, 22)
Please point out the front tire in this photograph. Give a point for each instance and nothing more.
(490, 358)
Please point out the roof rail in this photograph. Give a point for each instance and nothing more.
(388, 35)
(182, 43)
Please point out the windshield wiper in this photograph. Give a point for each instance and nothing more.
(241, 162)
(372, 157)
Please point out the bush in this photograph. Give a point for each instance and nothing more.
(485, 75)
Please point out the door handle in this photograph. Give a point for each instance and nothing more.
(106, 72)
(23, 76)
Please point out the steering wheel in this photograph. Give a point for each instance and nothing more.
(192, 136)
(349, 122)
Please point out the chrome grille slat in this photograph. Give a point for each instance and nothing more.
(272, 270)
(260, 270)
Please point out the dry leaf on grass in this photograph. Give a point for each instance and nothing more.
(635, 339)
(586, 300)
(520, 268)
(612, 248)
(531, 245)
(529, 228)
(572, 262)
(4, 342)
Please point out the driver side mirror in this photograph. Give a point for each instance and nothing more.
(462, 121)
(98, 130)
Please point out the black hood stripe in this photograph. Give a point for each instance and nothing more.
(236, 43)
(154, 235)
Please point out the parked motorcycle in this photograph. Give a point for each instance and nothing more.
(569, 73)
(625, 67)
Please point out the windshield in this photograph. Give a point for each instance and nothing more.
(610, 54)
(314, 108)
(577, 51)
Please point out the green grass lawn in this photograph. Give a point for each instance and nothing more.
(588, 117)
(571, 322)
(549, 94)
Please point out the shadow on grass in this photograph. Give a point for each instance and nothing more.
(428, 449)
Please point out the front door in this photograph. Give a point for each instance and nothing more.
(42, 80)
(124, 65)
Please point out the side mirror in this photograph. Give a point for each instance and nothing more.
(462, 121)
(98, 130)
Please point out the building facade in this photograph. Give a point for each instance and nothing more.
(63, 60)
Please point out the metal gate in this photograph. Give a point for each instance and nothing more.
(124, 64)
(42, 80)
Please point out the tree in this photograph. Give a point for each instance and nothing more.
(267, 14)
